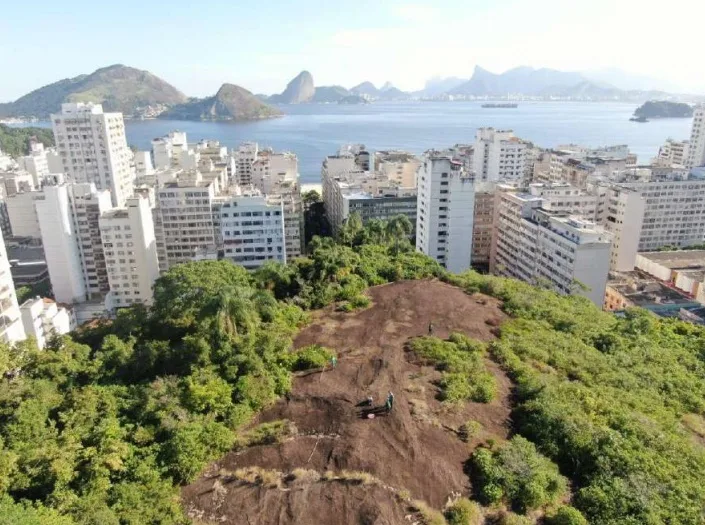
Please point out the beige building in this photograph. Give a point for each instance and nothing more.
(483, 225)
(11, 328)
(568, 254)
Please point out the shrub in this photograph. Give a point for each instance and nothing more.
(313, 356)
(464, 512)
(430, 516)
(360, 301)
(269, 433)
(509, 518)
(469, 430)
(566, 516)
(517, 473)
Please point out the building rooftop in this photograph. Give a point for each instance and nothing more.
(116, 214)
(690, 262)
(645, 291)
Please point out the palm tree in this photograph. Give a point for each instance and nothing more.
(233, 311)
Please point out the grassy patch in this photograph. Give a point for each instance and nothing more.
(460, 358)
(310, 357)
(268, 433)
(464, 512)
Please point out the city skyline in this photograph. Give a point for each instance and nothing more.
(263, 47)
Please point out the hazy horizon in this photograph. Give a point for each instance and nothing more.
(262, 47)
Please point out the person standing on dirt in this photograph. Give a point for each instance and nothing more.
(430, 328)
(334, 361)
(389, 405)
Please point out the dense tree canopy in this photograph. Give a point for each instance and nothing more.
(15, 141)
(102, 427)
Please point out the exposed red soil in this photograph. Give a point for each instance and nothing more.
(414, 448)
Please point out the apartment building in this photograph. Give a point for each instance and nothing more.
(245, 157)
(11, 328)
(696, 147)
(563, 198)
(36, 163)
(167, 150)
(43, 319)
(143, 163)
(130, 249)
(646, 216)
(276, 175)
(483, 219)
(445, 211)
(22, 214)
(382, 194)
(69, 223)
(569, 254)
(498, 156)
(94, 149)
(183, 218)
(252, 229)
(673, 152)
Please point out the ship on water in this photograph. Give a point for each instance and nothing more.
(501, 105)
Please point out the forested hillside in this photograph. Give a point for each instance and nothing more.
(102, 427)
(15, 141)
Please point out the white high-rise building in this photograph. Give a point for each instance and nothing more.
(498, 156)
(168, 150)
(252, 230)
(245, 157)
(696, 147)
(673, 152)
(94, 149)
(22, 214)
(43, 318)
(69, 222)
(143, 163)
(130, 249)
(35, 163)
(445, 211)
(646, 216)
(569, 254)
(11, 328)
(276, 175)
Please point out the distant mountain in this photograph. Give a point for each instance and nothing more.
(629, 81)
(438, 86)
(663, 109)
(299, 90)
(117, 87)
(330, 94)
(521, 80)
(393, 93)
(365, 88)
(231, 102)
(387, 86)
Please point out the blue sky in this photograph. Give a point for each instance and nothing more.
(261, 45)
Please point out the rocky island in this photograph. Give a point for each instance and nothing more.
(662, 109)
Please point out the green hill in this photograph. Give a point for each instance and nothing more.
(117, 87)
(15, 141)
(231, 102)
(104, 426)
(664, 109)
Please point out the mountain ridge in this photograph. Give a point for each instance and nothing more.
(117, 87)
(230, 103)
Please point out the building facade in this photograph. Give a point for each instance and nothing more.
(184, 220)
(498, 156)
(445, 211)
(252, 229)
(94, 149)
(11, 328)
(696, 147)
(130, 249)
(69, 219)
(43, 319)
(568, 254)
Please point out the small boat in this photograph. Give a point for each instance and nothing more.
(506, 106)
(639, 119)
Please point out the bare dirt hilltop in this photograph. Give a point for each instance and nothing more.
(339, 468)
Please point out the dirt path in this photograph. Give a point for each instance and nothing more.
(413, 448)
